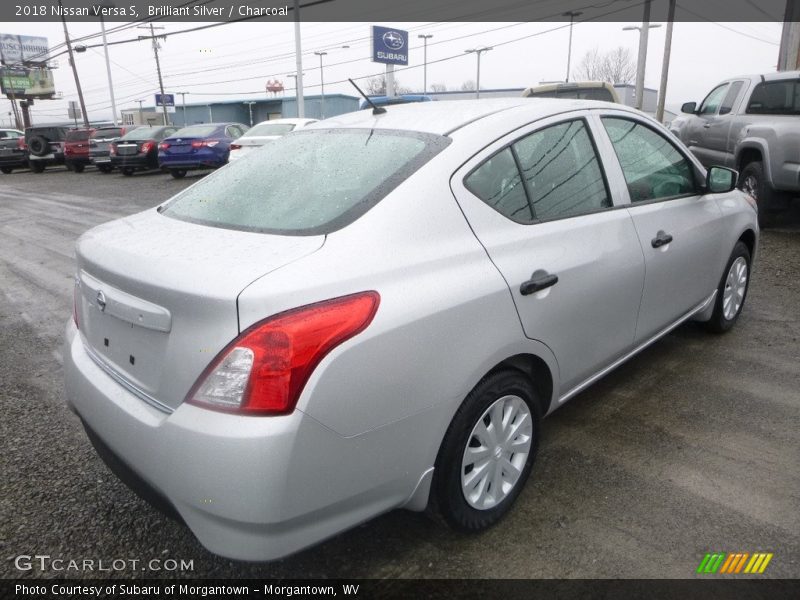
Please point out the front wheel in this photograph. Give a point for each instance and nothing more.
(487, 453)
(178, 173)
(7, 170)
(753, 181)
(732, 290)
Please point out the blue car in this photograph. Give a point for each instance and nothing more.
(198, 147)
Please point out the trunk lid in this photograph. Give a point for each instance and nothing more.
(157, 297)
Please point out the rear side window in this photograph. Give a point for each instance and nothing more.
(549, 174)
(309, 183)
(775, 98)
(652, 166)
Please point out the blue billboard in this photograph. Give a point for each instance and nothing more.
(389, 46)
(165, 100)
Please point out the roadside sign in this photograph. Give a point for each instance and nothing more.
(165, 100)
(389, 46)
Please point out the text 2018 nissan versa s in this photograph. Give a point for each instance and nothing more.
(377, 311)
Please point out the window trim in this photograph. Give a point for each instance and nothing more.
(699, 188)
(583, 116)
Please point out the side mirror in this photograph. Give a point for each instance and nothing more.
(689, 107)
(720, 180)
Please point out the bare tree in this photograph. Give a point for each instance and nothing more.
(376, 86)
(468, 86)
(438, 87)
(614, 66)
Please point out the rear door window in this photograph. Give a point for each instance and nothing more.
(775, 98)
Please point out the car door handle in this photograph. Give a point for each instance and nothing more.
(539, 281)
(662, 239)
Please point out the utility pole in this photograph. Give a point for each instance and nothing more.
(141, 116)
(183, 104)
(789, 52)
(478, 52)
(571, 14)
(321, 85)
(641, 61)
(662, 92)
(425, 38)
(74, 68)
(298, 58)
(158, 67)
(108, 62)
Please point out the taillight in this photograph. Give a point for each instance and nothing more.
(235, 146)
(112, 151)
(146, 147)
(264, 370)
(163, 146)
(204, 143)
(21, 144)
(69, 150)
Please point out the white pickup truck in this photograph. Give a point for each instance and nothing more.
(751, 124)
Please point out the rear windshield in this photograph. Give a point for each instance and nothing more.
(111, 132)
(144, 133)
(775, 98)
(82, 135)
(578, 93)
(54, 134)
(308, 183)
(195, 131)
(271, 129)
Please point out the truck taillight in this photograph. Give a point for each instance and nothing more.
(264, 370)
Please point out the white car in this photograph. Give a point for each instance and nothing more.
(265, 132)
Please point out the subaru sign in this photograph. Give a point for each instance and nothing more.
(165, 99)
(389, 46)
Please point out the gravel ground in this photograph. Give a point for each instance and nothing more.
(690, 447)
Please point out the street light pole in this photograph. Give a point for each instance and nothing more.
(321, 84)
(108, 61)
(662, 92)
(478, 52)
(642, 59)
(141, 116)
(425, 38)
(298, 56)
(571, 14)
(74, 68)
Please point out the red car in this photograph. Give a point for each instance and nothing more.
(76, 149)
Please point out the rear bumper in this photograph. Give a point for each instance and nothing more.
(77, 160)
(134, 161)
(250, 488)
(202, 159)
(13, 160)
(100, 159)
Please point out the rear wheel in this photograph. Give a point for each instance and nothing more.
(78, 168)
(178, 173)
(105, 168)
(37, 167)
(732, 290)
(753, 181)
(6, 170)
(127, 171)
(487, 452)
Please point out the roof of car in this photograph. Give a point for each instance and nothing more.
(447, 116)
(774, 76)
(293, 121)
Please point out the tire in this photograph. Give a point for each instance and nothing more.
(469, 503)
(78, 168)
(105, 169)
(7, 170)
(127, 171)
(732, 290)
(39, 145)
(38, 166)
(753, 181)
(178, 173)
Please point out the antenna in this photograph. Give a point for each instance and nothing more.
(376, 110)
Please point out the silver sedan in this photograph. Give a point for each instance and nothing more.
(377, 311)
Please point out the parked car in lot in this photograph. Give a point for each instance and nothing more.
(198, 147)
(76, 149)
(751, 124)
(138, 149)
(12, 150)
(265, 132)
(378, 310)
(45, 146)
(100, 145)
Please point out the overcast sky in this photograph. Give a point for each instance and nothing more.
(236, 60)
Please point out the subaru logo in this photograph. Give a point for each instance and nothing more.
(101, 301)
(393, 40)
